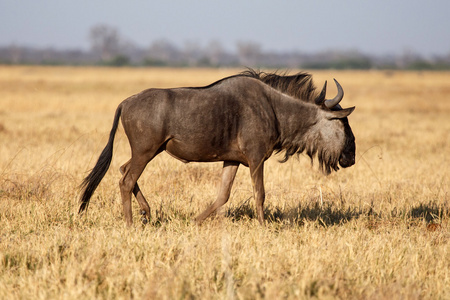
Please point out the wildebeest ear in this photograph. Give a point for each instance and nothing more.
(339, 114)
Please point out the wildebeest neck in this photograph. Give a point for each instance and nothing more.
(296, 120)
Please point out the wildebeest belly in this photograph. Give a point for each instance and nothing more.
(200, 151)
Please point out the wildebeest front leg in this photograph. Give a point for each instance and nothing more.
(145, 208)
(257, 174)
(228, 174)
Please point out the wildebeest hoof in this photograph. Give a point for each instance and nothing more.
(144, 217)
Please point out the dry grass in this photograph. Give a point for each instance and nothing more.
(378, 230)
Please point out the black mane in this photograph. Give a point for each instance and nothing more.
(299, 85)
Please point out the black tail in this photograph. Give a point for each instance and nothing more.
(91, 182)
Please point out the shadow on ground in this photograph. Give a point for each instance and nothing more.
(330, 214)
(325, 214)
(430, 212)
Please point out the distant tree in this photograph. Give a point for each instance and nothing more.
(249, 53)
(118, 61)
(215, 53)
(192, 52)
(15, 54)
(105, 40)
(162, 52)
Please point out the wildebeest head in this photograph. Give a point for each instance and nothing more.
(335, 132)
(331, 138)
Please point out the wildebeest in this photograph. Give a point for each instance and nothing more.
(241, 119)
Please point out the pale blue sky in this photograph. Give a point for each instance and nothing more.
(374, 27)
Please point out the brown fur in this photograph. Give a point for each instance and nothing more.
(237, 120)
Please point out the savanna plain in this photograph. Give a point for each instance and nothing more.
(377, 230)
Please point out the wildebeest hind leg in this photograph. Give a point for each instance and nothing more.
(145, 208)
(132, 171)
(228, 174)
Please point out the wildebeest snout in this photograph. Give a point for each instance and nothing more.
(347, 160)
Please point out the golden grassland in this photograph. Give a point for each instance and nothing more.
(377, 230)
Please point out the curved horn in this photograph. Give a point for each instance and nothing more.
(330, 103)
(319, 100)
